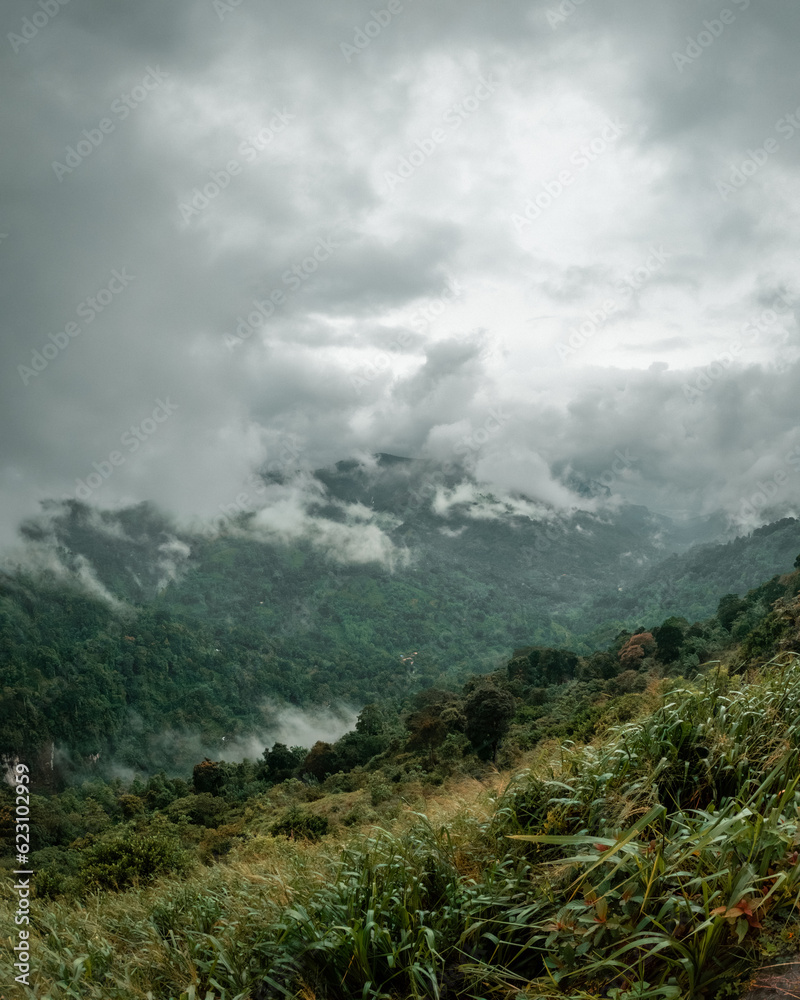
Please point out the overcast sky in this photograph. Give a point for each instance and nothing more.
(287, 233)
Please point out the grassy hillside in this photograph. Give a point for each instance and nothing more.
(606, 825)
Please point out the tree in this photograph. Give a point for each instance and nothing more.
(543, 666)
(669, 638)
(320, 761)
(729, 609)
(281, 763)
(371, 720)
(207, 777)
(635, 649)
(489, 711)
(437, 714)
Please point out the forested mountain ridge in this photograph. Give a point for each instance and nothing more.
(142, 640)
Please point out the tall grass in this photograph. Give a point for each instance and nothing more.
(678, 897)
(661, 863)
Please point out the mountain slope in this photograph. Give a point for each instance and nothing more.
(130, 634)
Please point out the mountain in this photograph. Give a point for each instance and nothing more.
(690, 584)
(126, 633)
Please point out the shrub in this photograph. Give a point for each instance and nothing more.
(297, 824)
(342, 782)
(202, 810)
(626, 682)
(379, 790)
(130, 859)
(217, 843)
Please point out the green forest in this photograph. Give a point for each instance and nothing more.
(619, 821)
(165, 664)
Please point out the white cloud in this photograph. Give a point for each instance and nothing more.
(602, 207)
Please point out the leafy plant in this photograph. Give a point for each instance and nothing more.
(130, 859)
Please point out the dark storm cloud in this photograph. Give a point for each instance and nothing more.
(198, 214)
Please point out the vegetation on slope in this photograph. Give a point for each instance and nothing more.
(646, 847)
(249, 623)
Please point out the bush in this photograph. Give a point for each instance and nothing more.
(130, 859)
(626, 682)
(379, 790)
(342, 782)
(56, 869)
(217, 843)
(297, 824)
(201, 810)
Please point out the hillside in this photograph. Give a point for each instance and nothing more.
(608, 825)
(689, 583)
(127, 635)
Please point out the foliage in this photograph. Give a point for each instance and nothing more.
(245, 620)
(207, 776)
(635, 649)
(129, 859)
(650, 850)
(488, 711)
(299, 824)
(634, 866)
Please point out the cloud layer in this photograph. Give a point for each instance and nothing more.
(533, 239)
